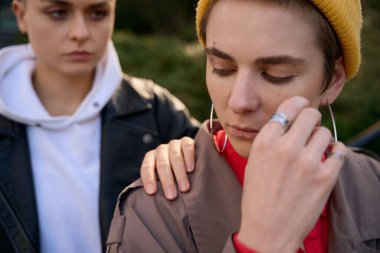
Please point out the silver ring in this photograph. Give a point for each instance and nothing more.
(280, 118)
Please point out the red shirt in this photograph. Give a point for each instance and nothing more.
(317, 239)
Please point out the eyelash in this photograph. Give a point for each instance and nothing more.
(276, 80)
(269, 78)
(61, 14)
(99, 14)
(57, 14)
(222, 72)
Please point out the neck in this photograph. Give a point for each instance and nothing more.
(61, 94)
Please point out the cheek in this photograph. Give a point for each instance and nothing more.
(217, 89)
(102, 30)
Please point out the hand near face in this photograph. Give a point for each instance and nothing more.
(171, 162)
(287, 181)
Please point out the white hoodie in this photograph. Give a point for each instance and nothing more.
(65, 150)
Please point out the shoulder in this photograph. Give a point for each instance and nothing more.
(134, 200)
(141, 94)
(355, 200)
(362, 164)
(359, 180)
(145, 88)
(150, 223)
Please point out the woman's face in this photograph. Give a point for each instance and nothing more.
(258, 54)
(68, 36)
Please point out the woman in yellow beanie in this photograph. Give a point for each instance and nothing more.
(269, 177)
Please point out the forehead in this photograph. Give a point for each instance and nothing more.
(268, 27)
(73, 2)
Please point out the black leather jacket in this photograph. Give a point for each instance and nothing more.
(140, 116)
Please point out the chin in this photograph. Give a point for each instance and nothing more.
(80, 71)
(243, 148)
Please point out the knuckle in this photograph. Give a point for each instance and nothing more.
(145, 166)
(146, 178)
(260, 143)
(309, 162)
(187, 143)
(295, 103)
(312, 112)
(162, 148)
(286, 150)
(174, 143)
(324, 177)
(324, 131)
(163, 167)
(149, 155)
(175, 154)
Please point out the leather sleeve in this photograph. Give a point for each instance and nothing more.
(174, 119)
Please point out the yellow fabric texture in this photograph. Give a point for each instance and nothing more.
(345, 17)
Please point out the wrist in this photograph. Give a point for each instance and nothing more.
(266, 243)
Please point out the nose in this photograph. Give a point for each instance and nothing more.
(244, 94)
(78, 28)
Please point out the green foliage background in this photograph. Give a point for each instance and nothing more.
(156, 39)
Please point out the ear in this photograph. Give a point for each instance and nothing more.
(19, 10)
(337, 82)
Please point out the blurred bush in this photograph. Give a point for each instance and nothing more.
(169, 17)
(177, 65)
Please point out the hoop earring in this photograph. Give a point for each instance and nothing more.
(333, 121)
(212, 131)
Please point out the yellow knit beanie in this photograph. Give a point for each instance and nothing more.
(345, 17)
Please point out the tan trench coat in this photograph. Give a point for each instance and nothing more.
(204, 219)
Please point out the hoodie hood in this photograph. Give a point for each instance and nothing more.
(19, 101)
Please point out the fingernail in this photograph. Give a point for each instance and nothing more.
(149, 189)
(183, 185)
(190, 167)
(170, 193)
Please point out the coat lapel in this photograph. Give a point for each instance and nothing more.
(17, 198)
(211, 178)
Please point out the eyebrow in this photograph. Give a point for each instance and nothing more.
(280, 59)
(270, 60)
(65, 2)
(218, 53)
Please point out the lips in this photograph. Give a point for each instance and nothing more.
(79, 55)
(243, 132)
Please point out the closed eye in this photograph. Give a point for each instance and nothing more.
(277, 79)
(223, 72)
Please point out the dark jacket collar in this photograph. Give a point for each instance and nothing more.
(131, 97)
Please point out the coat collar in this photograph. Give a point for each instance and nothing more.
(212, 176)
(132, 96)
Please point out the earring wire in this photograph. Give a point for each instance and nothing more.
(333, 121)
(212, 131)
